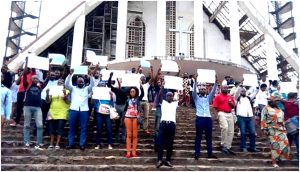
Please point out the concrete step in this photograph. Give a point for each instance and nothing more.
(135, 167)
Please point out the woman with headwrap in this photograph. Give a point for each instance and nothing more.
(272, 124)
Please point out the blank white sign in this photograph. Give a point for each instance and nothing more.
(81, 70)
(131, 80)
(57, 59)
(38, 62)
(117, 74)
(250, 80)
(101, 93)
(287, 87)
(145, 64)
(206, 75)
(173, 82)
(169, 66)
(56, 90)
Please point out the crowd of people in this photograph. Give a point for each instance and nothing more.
(29, 93)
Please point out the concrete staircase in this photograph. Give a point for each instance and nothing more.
(14, 156)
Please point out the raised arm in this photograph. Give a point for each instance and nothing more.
(68, 82)
(25, 82)
(179, 69)
(161, 91)
(194, 94)
(142, 93)
(92, 84)
(213, 91)
(48, 97)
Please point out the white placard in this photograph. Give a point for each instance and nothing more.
(131, 80)
(250, 80)
(206, 75)
(57, 59)
(38, 62)
(173, 82)
(169, 66)
(90, 55)
(145, 64)
(56, 90)
(81, 70)
(117, 74)
(288, 87)
(101, 93)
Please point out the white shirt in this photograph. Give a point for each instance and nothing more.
(79, 96)
(168, 111)
(50, 83)
(224, 82)
(244, 108)
(261, 98)
(145, 88)
(252, 92)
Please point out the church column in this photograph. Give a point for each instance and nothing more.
(121, 30)
(271, 58)
(234, 33)
(198, 29)
(78, 35)
(161, 28)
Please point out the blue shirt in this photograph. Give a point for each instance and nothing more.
(202, 103)
(6, 102)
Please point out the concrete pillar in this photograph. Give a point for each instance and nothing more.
(78, 36)
(234, 33)
(161, 28)
(271, 58)
(198, 29)
(121, 30)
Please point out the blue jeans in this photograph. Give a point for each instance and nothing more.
(203, 124)
(294, 138)
(36, 112)
(246, 123)
(100, 120)
(83, 121)
(165, 140)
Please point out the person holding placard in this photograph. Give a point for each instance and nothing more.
(245, 121)
(131, 120)
(224, 103)
(78, 109)
(58, 113)
(32, 108)
(121, 97)
(102, 114)
(21, 92)
(6, 103)
(167, 127)
(273, 126)
(145, 105)
(203, 117)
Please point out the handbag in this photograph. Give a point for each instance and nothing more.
(112, 111)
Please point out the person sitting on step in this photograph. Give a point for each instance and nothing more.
(203, 117)
(167, 127)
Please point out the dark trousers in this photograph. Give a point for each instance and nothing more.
(100, 120)
(83, 120)
(120, 126)
(294, 138)
(20, 105)
(165, 140)
(203, 124)
(246, 123)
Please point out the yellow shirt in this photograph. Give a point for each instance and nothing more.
(58, 108)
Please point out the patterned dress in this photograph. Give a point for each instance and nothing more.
(272, 120)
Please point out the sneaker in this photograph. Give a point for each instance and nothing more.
(196, 157)
(27, 145)
(98, 147)
(51, 147)
(148, 132)
(231, 152)
(159, 164)
(13, 124)
(244, 150)
(212, 157)
(38, 147)
(168, 164)
(110, 147)
(225, 151)
(57, 147)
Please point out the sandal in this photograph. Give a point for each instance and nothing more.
(57, 147)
